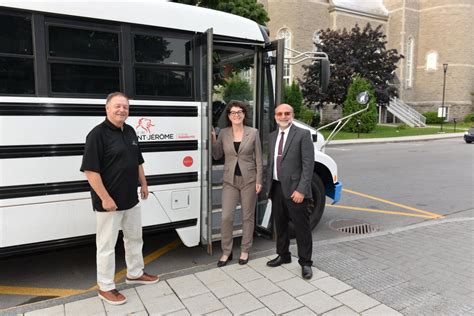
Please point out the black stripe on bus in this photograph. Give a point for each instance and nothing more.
(35, 109)
(29, 190)
(82, 240)
(29, 151)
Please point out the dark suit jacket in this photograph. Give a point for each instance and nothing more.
(297, 163)
(249, 155)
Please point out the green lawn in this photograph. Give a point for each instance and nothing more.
(382, 131)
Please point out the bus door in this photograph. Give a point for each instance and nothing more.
(203, 80)
(233, 78)
(269, 94)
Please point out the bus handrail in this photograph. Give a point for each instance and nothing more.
(340, 124)
(302, 56)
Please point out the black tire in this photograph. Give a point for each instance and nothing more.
(316, 206)
(468, 141)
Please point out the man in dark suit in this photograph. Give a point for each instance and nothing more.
(291, 164)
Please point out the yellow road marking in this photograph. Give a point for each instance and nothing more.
(151, 257)
(94, 288)
(371, 210)
(38, 291)
(155, 255)
(430, 214)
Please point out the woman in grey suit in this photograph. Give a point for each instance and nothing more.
(240, 144)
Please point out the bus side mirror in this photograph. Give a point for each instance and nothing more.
(325, 73)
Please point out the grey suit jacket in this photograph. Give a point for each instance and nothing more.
(297, 163)
(249, 155)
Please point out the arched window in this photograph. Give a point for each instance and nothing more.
(316, 40)
(286, 34)
(409, 63)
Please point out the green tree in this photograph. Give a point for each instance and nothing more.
(249, 9)
(355, 52)
(293, 96)
(367, 119)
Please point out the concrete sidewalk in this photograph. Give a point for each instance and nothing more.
(252, 289)
(421, 269)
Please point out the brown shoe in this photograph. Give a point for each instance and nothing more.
(144, 279)
(112, 297)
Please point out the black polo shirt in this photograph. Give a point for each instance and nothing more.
(116, 155)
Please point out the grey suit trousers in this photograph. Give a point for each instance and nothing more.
(231, 194)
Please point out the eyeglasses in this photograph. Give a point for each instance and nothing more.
(235, 113)
(283, 113)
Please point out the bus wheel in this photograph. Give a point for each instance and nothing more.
(316, 206)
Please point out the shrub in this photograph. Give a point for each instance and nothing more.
(432, 118)
(237, 89)
(402, 126)
(316, 119)
(307, 115)
(293, 96)
(368, 119)
(469, 118)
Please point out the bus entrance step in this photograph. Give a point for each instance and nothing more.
(235, 233)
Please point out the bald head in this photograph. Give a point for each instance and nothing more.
(284, 107)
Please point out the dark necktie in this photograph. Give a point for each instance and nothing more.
(279, 154)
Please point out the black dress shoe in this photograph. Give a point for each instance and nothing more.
(306, 272)
(278, 261)
(244, 261)
(221, 263)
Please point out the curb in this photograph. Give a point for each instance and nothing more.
(402, 139)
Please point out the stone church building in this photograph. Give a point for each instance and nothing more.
(429, 33)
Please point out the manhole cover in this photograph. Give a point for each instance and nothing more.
(352, 226)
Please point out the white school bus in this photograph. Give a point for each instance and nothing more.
(59, 60)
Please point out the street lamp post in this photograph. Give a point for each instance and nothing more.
(445, 69)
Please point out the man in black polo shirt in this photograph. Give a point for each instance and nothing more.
(113, 164)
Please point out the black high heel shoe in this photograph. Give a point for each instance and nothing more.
(221, 263)
(244, 261)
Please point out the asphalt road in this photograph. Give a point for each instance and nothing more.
(387, 186)
(413, 178)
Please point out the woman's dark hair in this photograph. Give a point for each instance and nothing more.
(235, 104)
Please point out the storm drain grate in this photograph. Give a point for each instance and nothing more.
(351, 226)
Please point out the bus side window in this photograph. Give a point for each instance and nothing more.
(83, 60)
(16, 55)
(162, 65)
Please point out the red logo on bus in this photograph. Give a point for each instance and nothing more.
(188, 161)
(145, 123)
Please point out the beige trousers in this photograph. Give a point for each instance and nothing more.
(231, 194)
(108, 226)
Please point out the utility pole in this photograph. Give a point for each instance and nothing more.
(443, 113)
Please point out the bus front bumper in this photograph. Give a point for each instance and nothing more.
(334, 192)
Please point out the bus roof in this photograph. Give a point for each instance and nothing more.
(149, 12)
